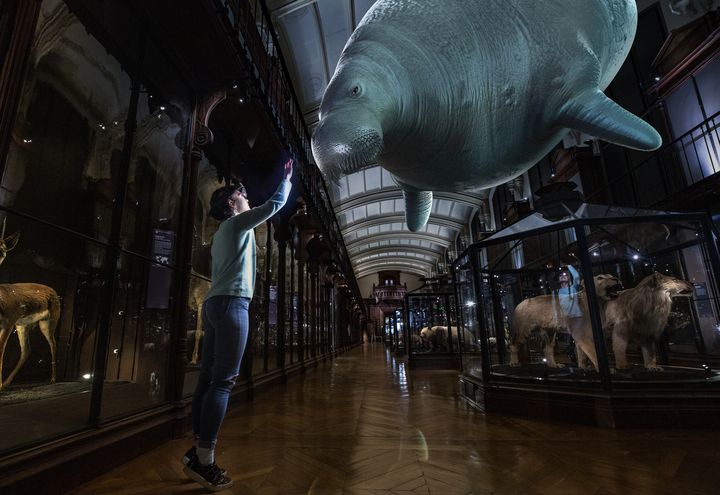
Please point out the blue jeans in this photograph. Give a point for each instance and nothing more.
(226, 323)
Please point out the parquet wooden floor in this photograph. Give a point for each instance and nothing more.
(362, 425)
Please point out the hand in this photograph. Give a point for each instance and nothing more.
(288, 169)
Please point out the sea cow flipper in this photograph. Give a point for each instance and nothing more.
(418, 205)
(594, 113)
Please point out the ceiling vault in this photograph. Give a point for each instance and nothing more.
(386, 194)
(378, 220)
(443, 241)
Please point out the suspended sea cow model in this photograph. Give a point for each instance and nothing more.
(460, 95)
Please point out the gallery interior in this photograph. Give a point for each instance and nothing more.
(558, 332)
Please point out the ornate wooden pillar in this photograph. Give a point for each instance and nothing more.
(282, 236)
(345, 317)
(305, 226)
(293, 299)
(313, 308)
(324, 279)
(266, 298)
(201, 136)
(301, 307)
(322, 326)
(308, 312)
(332, 280)
(110, 268)
(318, 250)
(22, 17)
(332, 337)
(314, 254)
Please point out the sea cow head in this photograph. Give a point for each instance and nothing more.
(359, 107)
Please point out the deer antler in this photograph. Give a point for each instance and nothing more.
(2, 235)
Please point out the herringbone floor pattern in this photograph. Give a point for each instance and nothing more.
(361, 425)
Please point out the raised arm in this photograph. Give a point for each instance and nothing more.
(255, 216)
(575, 276)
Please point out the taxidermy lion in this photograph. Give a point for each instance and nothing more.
(553, 313)
(641, 314)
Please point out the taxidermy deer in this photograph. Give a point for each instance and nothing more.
(21, 306)
(198, 295)
(8, 243)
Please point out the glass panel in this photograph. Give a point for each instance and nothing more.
(152, 204)
(194, 331)
(296, 310)
(301, 29)
(308, 316)
(698, 153)
(335, 14)
(67, 282)
(332, 310)
(536, 310)
(400, 330)
(204, 225)
(683, 108)
(273, 309)
(258, 315)
(707, 81)
(429, 316)
(287, 310)
(667, 316)
(468, 300)
(361, 7)
(356, 183)
(69, 130)
(656, 298)
(140, 337)
(5, 31)
(324, 325)
(321, 320)
(702, 333)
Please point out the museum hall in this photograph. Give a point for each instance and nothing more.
(360, 247)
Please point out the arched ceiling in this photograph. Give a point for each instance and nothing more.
(369, 205)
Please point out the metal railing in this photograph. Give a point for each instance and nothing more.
(384, 294)
(688, 160)
(255, 35)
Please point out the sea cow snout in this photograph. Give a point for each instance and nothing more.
(343, 145)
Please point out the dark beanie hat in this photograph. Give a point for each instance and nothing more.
(219, 208)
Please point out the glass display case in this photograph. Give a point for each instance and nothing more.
(90, 215)
(431, 331)
(394, 331)
(592, 307)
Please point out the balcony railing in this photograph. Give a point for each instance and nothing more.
(253, 32)
(384, 295)
(688, 160)
(389, 292)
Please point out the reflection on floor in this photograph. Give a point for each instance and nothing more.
(361, 425)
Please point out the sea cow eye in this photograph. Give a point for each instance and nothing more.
(355, 91)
